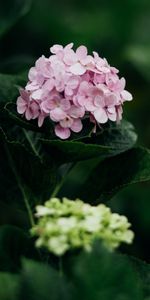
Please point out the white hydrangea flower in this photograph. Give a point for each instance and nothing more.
(66, 224)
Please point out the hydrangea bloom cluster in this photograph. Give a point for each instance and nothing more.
(70, 85)
(66, 224)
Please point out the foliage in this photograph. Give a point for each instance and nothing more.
(86, 276)
(34, 165)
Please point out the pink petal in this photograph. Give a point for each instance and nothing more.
(114, 70)
(103, 69)
(60, 86)
(100, 115)
(81, 52)
(77, 125)
(35, 110)
(32, 74)
(77, 69)
(63, 133)
(21, 101)
(99, 101)
(32, 86)
(119, 111)
(21, 108)
(112, 114)
(73, 82)
(48, 105)
(68, 91)
(37, 94)
(111, 100)
(126, 95)
(56, 48)
(111, 110)
(89, 104)
(88, 60)
(67, 122)
(122, 83)
(103, 88)
(76, 112)
(28, 114)
(69, 46)
(24, 95)
(41, 120)
(99, 78)
(84, 87)
(112, 117)
(70, 57)
(49, 84)
(65, 104)
(57, 114)
(81, 100)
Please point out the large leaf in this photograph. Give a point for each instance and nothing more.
(144, 272)
(9, 286)
(23, 174)
(110, 140)
(11, 11)
(41, 282)
(9, 85)
(104, 275)
(113, 174)
(14, 243)
(92, 276)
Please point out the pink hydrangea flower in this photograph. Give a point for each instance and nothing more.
(69, 85)
(26, 106)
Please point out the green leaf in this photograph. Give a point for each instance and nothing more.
(14, 243)
(115, 173)
(143, 270)
(99, 274)
(9, 87)
(23, 174)
(10, 110)
(11, 11)
(9, 286)
(41, 282)
(104, 275)
(111, 140)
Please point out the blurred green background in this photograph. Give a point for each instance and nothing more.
(119, 31)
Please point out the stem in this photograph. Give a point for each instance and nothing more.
(57, 188)
(20, 186)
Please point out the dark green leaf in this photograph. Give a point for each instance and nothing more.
(92, 276)
(13, 244)
(23, 174)
(9, 286)
(10, 111)
(104, 275)
(144, 272)
(40, 282)
(9, 87)
(111, 140)
(114, 173)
